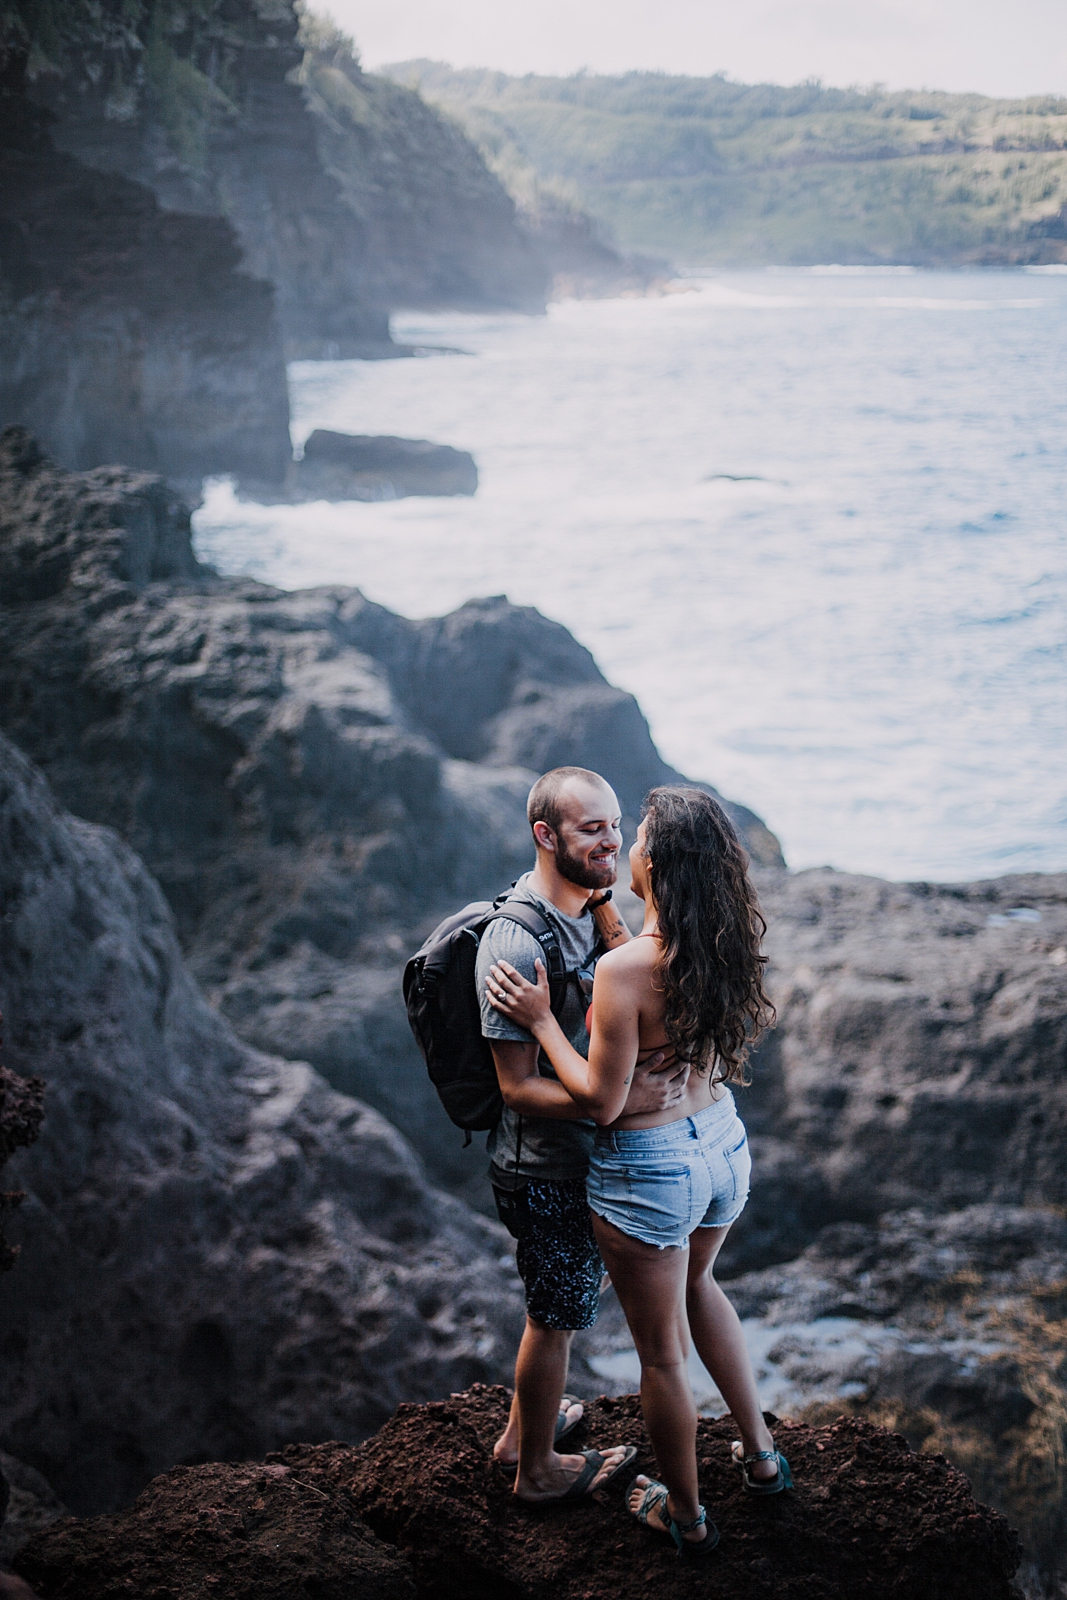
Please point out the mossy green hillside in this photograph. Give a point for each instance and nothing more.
(713, 171)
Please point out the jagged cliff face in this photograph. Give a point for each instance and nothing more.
(220, 1255)
(366, 201)
(918, 1055)
(126, 332)
(437, 227)
(312, 778)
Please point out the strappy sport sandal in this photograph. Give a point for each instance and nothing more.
(654, 1498)
(783, 1478)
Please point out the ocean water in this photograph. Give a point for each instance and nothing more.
(815, 520)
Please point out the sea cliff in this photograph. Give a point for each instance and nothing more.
(190, 198)
(312, 780)
(110, 348)
(348, 193)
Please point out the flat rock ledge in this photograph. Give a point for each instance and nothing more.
(420, 1510)
(351, 466)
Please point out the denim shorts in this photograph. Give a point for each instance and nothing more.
(659, 1184)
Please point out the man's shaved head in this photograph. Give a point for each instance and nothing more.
(575, 820)
(545, 803)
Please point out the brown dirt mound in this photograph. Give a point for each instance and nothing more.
(243, 1531)
(869, 1517)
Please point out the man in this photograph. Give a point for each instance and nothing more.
(540, 1148)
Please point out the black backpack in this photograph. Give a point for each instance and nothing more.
(442, 1005)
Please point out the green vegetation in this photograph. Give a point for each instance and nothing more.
(712, 171)
(153, 50)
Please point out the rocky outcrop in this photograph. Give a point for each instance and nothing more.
(437, 228)
(31, 1506)
(349, 466)
(404, 466)
(349, 195)
(126, 332)
(919, 1051)
(219, 1253)
(313, 779)
(21, 1110)
(869, 1516)
(948, 1329)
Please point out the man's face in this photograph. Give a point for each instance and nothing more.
(589, 837)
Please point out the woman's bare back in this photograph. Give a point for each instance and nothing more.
(634, 967)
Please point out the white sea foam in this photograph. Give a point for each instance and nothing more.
(821, 536)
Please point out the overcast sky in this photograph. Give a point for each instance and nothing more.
(998, 47)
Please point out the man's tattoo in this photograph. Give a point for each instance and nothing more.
(613, 931)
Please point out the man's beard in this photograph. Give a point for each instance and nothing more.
(586, 874)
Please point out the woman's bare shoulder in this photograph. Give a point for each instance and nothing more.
(638, 955)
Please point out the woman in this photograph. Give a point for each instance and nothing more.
(664, 1189)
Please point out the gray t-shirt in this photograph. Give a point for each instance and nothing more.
(552, 1148)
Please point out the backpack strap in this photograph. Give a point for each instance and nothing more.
(535, 923)
(528, 917)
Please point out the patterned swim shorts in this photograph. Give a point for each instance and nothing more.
(556, 1253)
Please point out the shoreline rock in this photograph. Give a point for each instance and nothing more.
(948, 1329)
(219, 1253)
(313, 779)
(128, 332)
(917, 1058)
(346, 466)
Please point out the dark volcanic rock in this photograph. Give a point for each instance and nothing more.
(348, 193)
(922, 1030)
(247, 1532)
(346, 466)
(128, 333)
(21, 1110)
(956, 1337)
(31, 1505)
(311, 778)
(220, 1254)
(868, 1516)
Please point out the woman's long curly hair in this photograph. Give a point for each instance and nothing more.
(710, 927)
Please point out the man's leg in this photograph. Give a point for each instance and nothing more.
(530, 1370)
(540, 1378)
(560, 1267)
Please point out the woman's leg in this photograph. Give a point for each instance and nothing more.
(720, 1343)
(650, 1284)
